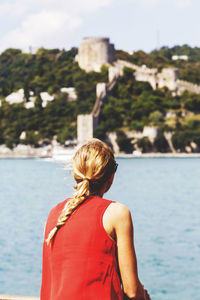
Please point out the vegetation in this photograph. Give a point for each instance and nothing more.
(47, 70)
(131, 105)
(134, 105)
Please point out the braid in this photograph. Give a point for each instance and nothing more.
(82, 190)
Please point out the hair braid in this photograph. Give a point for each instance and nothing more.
(82, 190)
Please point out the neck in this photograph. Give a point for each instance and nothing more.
(98, 194)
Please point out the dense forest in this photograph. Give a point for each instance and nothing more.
(130, 106)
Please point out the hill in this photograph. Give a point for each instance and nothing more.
(131, 106)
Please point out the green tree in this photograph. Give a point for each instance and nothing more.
(145, 144)
(124, 142)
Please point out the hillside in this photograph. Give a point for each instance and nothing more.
(47, 70)
(131, 106)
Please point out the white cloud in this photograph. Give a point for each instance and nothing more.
(48, 23)
(183, 3)
(41, 29)
(149, 3)
(145, 3)
(153, 3)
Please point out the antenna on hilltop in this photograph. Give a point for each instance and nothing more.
(157, 39)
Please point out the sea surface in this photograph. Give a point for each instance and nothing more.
(163, 195)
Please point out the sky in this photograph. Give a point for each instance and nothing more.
(130, 24)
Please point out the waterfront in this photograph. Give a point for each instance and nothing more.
(163, 195)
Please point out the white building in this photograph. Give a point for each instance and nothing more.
(23, 135)
(181, 57)
(29, 104)
(46, 98)
(71, 91)
(16, 97)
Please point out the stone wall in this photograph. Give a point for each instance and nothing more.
(87, 123)
(147, 75)
(101, 94)
(85, 127)
(185, 85)
(168, 77)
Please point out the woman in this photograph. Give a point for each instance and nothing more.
(88, 252)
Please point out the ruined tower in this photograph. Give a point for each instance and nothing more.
(94, 52)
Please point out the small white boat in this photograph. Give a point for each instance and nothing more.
(63, 154)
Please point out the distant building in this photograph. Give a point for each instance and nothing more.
(46, 98)
(71, 92)
(16, 97)
(170, 114)
(23, 135)
(181, 57)
(29, 104)
(94, 52)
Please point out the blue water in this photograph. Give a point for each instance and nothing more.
(162, 194)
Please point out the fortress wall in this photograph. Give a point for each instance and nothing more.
(185, 85)
(85, 127)
(101, 90)
(168, 77)
(142, 73)
(113, 73)
(101, 94)
(123, 63)
(146, 77)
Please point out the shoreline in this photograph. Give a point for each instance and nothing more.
(59, 153)
(120, 155)
(159, 155)
(14, 297)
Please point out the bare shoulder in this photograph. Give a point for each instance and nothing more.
(117, 221)
(119, 209)
(118, 212)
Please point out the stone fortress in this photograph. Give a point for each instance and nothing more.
(168, 77)
(95, 52)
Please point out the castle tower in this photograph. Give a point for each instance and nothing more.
(169, 78)
(94, 52)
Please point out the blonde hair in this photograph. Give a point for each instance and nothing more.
(93, 165)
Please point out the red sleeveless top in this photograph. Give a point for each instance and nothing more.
(81, 264)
